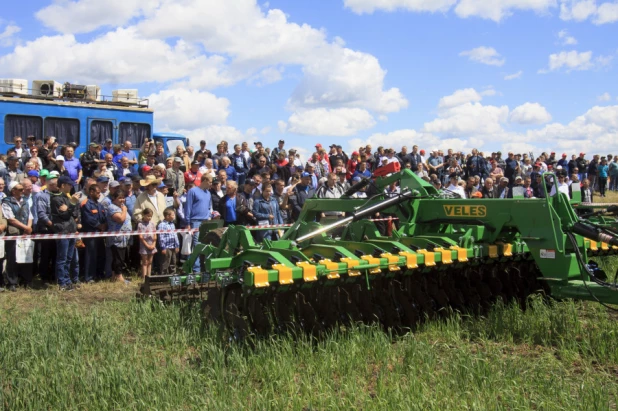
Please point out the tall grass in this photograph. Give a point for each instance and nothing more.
(131, 355)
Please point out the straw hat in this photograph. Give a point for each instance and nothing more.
(149, 180)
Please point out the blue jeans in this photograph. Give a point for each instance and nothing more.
(196, 224)
(65, 264)
(93, 264)
(241, 177)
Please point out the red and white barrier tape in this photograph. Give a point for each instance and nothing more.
(117, 233)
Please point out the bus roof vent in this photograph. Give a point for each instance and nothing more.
(14, 86)
(125, 96)
(46, 88)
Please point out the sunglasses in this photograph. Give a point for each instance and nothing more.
(19, 189)
(18, 141)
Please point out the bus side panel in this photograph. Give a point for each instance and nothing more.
(81, 113)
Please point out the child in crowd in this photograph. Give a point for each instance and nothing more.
(168, 243)
(147, 242)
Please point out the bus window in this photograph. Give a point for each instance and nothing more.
(136, 133)
(172, 144)
(66, 130)
(22, 126)
(101, 131)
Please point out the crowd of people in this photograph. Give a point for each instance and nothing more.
(45, 188)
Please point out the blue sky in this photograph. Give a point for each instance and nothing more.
(517, 74)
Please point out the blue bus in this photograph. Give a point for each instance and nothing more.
(80, 122)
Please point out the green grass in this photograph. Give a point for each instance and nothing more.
(132, 355)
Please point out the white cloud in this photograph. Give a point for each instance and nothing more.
(7, 36)
(265, 130)
(459, 97)
(83, 16)
(607, 13)
(282, 126)
(484, 55)
(118, 56)
(369, 6)
(530, 113)
(469, 119)
(330, 122)
(497, 10)
(345, 78)
(580, 10)
(514, 75)
(188, 109)
(574, 60)
(222, 43)
(566, 39)
(604, 97)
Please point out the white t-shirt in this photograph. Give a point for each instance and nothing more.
(153, 200)
(457, 189)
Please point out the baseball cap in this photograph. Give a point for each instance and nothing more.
(318, 145)
(93, 144)
(357, 179)
(59, 158)
(422, 152)
(109, 140)
(582, 154)
(195, 163)
(177, 160)
(134, 177)
(33, 173)
(257, 143)
(102, 179)
(564, 155)
(506, 180)
(146, 169)
(114, 184)
(553, 152)
(54, 174)
(203, 142)
(355, 153)
(518, 178)
(12, 185)
(162, 185)
(65, 180)
(305, 174)
(44, 173)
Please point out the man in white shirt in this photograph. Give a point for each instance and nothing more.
(455, 187)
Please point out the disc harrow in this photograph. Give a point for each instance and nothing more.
(446, 255)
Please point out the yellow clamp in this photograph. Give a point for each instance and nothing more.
(411, 260)
(351, 262)
(493, 251)
(260, 276)
(332, 267)
(447, 255)
(507, 249)
(310, 272)
(393, 261)
(430, 258)
(285, 274)
(372, 260)
(462, 253)
(594, 246)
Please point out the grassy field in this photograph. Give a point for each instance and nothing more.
(60, 352)
(99, 348)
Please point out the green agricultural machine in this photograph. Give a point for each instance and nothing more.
(441, 255)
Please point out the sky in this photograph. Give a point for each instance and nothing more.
(509, 75)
